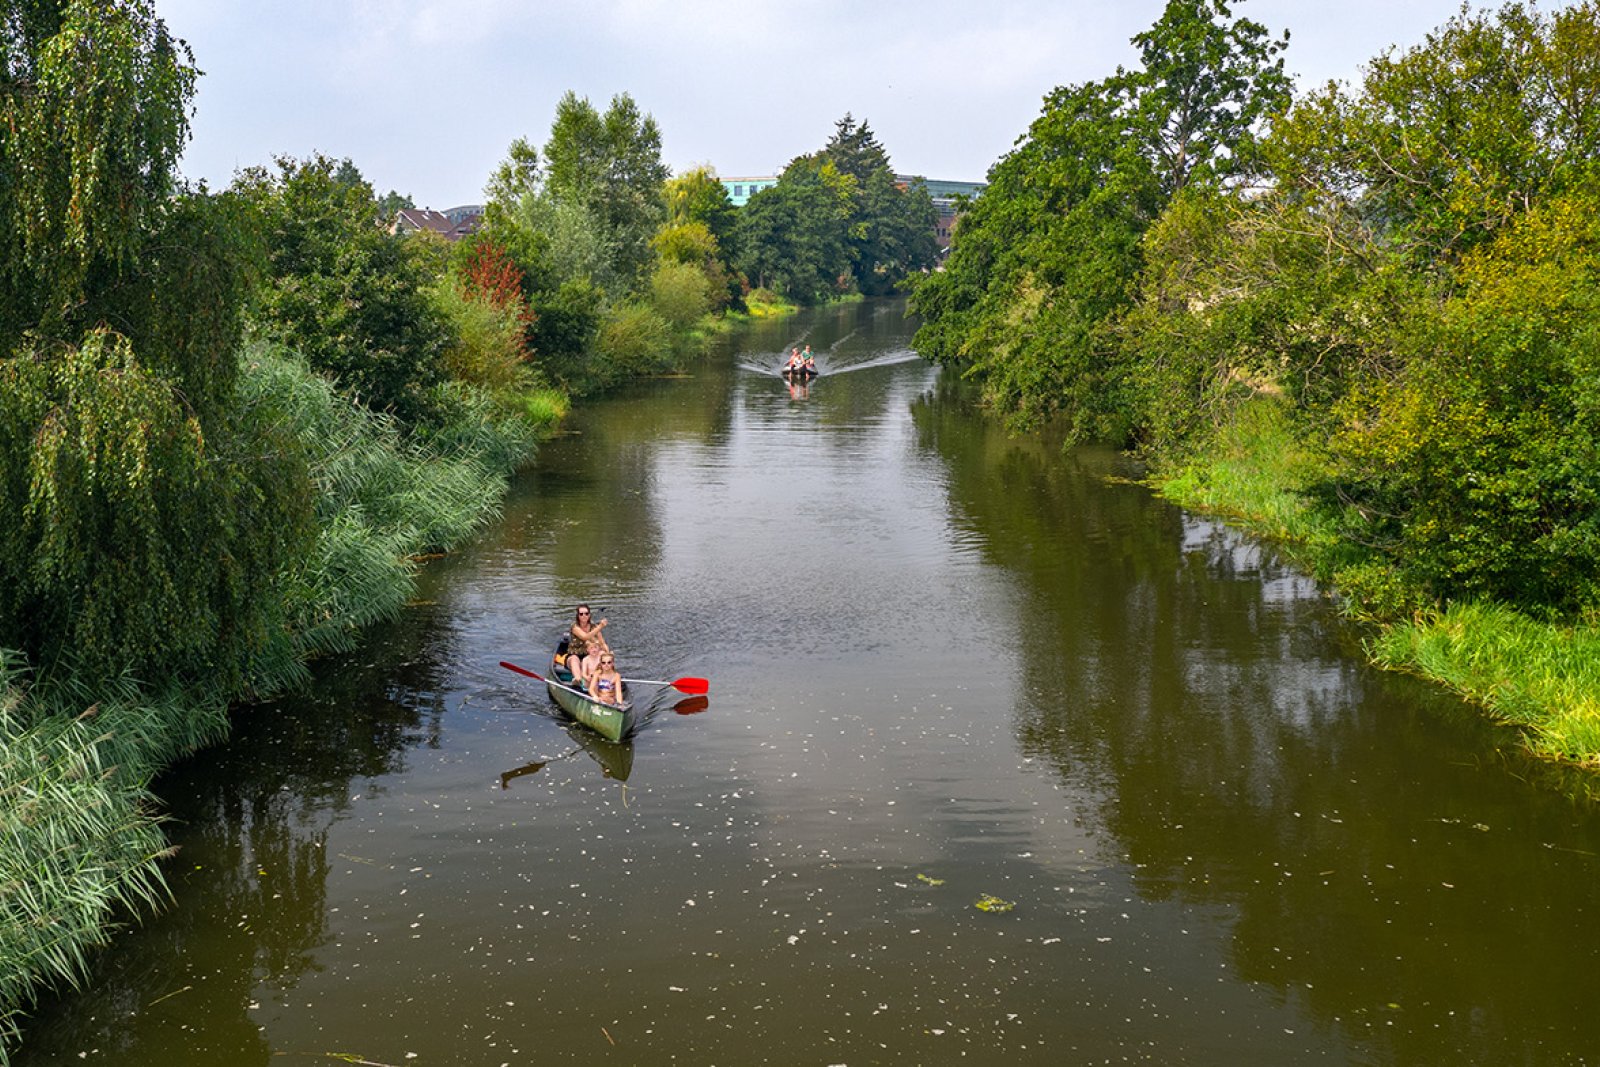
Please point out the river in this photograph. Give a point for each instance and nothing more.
(1004, 760)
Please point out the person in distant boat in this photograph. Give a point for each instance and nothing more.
(794, 361)
(605, 684)
(585, 643)
(808, 361)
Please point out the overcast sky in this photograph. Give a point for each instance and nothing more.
(425, 95)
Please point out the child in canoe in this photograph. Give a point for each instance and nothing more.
(605, 684)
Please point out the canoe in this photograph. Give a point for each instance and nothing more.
(611, 721)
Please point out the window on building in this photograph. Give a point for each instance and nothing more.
(738, 190)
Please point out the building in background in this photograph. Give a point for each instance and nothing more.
(452, 225)
(740, 190)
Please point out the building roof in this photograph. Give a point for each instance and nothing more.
(411, 219)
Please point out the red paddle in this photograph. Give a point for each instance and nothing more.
(523, 670)
(542, 678)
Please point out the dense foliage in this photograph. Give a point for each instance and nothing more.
(1406, 270)
(186, 519)
(598, 233)
(1049, 255)
(143, 535)
(342, 290)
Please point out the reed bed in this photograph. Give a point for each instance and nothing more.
(79, 838)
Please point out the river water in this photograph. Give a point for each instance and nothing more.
(948, 668)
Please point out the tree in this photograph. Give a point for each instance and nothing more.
(1206, 84)
(392, 203)
(345, 293)
(1446, 142)
(793, 236)
(145, 530)
(95, 102)
(514, 180)
(891, 229)
(610, 166)
(1046, 261)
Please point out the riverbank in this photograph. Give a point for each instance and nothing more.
(82, 832)
(1541, 679)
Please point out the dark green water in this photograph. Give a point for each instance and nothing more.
(945, 665)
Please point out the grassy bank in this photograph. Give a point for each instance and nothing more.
(80, 837)
(1540, 678)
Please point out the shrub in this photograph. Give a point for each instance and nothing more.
(488, 337)
(681, 294)
(634, 340)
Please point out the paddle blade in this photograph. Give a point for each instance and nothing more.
(691, 705)
(695, 686)
(521, 670)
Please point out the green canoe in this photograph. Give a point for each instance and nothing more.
(611, 721)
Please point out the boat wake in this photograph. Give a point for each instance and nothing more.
(905, 355)
(827, 368)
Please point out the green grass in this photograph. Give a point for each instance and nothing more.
(1253, 474)
(765, 304)
(1543, 679)
(544, 408)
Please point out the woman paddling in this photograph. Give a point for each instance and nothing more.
(585, 643)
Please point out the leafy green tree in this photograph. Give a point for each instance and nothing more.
(1445, 142)
(392, 203)
(148, 530)
(610, 166)
(698, 196)
(891, 228)
(1045, 262)
(794, 236)
(514, 180)
(344, 292)
(1206, 83)
(92, 138)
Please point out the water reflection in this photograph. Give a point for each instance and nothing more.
(614, 759)
(1377, 868)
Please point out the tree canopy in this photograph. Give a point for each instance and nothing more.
(836, 217)
(146, 537)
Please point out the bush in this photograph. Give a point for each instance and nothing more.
(634, 340)
(1477, 468)
(681, 294)
(488, 339)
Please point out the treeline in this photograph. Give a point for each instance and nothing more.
(1364, 317)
